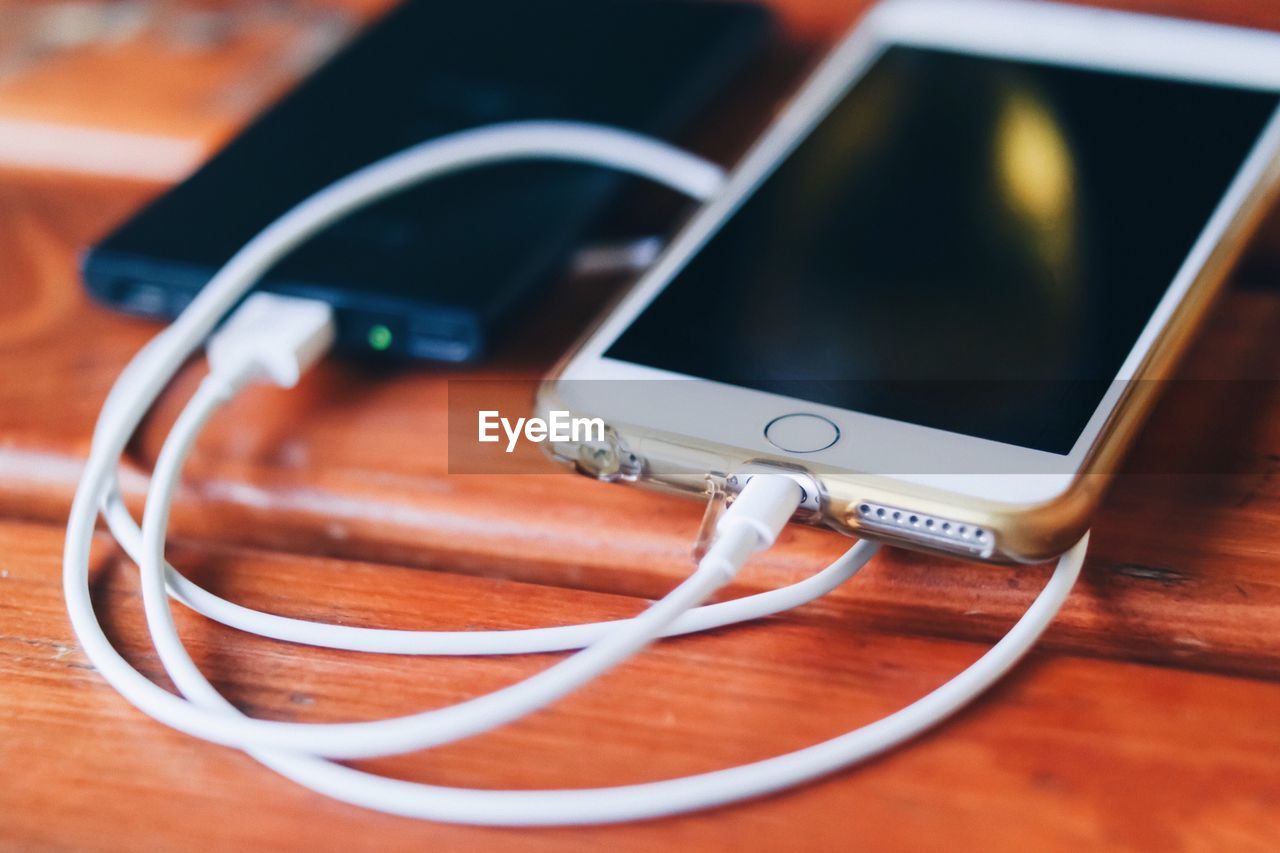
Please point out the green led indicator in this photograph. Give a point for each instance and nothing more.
(380, 337)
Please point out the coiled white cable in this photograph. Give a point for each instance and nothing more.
(676, 169)
(569, 806)
(211, 717)
(515, 641)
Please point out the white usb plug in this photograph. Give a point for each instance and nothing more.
(751, 523)
(272, 338)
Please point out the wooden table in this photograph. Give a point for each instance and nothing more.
(1148, 718)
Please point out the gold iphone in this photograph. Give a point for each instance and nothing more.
(942, 288)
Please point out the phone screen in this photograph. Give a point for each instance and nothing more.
(965, 243)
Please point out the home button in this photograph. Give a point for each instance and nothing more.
(801, 433)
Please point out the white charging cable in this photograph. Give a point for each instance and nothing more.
(751, 524)
(396, 641)
(291, 748)
(611, 148)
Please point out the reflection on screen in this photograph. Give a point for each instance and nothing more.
(964, 243)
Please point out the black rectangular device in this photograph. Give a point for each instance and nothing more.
(432, 272)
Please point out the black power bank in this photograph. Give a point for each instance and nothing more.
(432, 272)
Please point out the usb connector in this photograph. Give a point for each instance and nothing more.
(272, 338)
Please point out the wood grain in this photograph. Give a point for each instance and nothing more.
(1069, 751)
(1147, 720)
(149, 90)
(355, 464)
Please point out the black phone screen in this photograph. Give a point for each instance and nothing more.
(965, 243)
(436, 268)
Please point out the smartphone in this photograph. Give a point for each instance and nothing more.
(943, 287)
(436, 271)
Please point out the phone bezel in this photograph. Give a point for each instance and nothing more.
(1075, 36)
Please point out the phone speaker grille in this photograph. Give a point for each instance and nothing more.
(912, 526)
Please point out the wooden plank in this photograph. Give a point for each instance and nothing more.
(149, 91)
(821, 20)
(355, 463)
(1079, 747)
(1068, 751)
